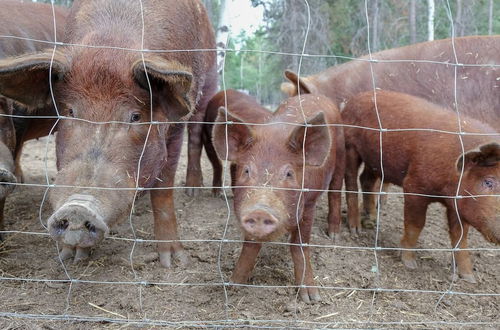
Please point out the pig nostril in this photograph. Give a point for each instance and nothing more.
(90, 227)
(61, 226)
(268, 222)
(250, 222)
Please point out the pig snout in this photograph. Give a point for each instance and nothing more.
(259, 223)
(7, 182)
(262, 222)
(7, 178)
(78, 223)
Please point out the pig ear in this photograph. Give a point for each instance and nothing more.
(168, 77)
(485, 156)
(26, 78)
(306, 87)
(317, 142)
(239, 135)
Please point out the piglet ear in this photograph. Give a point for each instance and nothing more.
(317, 142)
(171, 79)
(485, 156)
(296, 82)
(232, 137)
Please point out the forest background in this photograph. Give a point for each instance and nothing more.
(255, 61)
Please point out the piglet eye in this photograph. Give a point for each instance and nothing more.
(135, 117)
(289, 174)
(489, 183)
(71, 113)
(246, 170)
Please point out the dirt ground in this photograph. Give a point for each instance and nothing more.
(123, 285)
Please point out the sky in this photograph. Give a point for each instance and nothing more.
(242, 16)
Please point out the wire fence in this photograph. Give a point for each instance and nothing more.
(360, 279)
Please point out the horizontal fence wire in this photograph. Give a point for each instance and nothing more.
(295, 321)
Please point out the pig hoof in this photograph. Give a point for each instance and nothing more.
(216, 192)
(369, 223)
(192, 192)
(66, 253)
(355, 231)
(310, 295)
(468, 278)
(181, 256)
(410, 263)
(166, 259)
(81, 254)
(334, 237)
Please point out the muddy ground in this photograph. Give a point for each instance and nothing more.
(113, 289)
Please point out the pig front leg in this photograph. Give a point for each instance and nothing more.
(415, 208)
(165, 225)
(351, 183)
(369, 183)
(457, 236)
(335, 198)
(301, 257)
(214, 160)
(246, 262)
(194, 176)
(162, 201)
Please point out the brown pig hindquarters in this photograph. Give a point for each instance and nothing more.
(109, 95)
(237, 103)
(267, 169)
(427, 165)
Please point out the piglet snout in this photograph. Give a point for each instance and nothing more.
(259, 223)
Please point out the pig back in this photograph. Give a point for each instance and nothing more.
(421, 70)
(238, 104)
(424, 139)
(28, 21)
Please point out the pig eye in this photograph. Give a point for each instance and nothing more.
(71, 113)
(246, 170)
(289, 174)
(489, 183)
(135, 117)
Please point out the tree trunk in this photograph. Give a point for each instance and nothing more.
(490, 18)
(430, 21)
(375, 26)
(459, 26)
(413, 21)
(222, 32)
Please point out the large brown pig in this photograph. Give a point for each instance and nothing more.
(117, 104)
(426, 163)
(235, 102)
(270, 164)
(418, 70)
(20, 24)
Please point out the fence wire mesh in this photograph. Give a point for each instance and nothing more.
(362, 281)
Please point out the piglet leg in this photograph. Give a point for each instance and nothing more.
(301, 259)
(457, 236)
(194, 176)
(369, 184)
(335, 197)
(415, 209)
(246, 262)
(351, 183)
